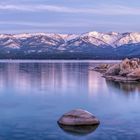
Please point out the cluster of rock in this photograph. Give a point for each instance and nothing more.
(126, 71)
(102, 68)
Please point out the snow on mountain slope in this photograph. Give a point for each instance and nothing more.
(108, 38)
(68, 37)
(86, 40)
(64, 41)
(128, 38)
(115, 39)
(11, 43)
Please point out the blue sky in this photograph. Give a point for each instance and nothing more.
(69, 16)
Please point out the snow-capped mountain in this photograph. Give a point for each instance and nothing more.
(91, 44)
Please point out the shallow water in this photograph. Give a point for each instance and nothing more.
(34, 95)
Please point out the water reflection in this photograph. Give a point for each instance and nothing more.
(126, 88)
(96, 83)
(34, 95)
(48, 77)
(51, 77)
(78, 130)
(26, 76)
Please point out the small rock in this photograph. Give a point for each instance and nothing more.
(78, 117)
(102, 68)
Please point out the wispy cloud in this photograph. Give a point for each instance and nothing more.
(64, 27)
(46, 25)
(99, 10)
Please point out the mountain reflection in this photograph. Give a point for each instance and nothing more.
(43, 76)
(54, 77)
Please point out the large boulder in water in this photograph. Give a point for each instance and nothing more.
(78, 117)
(135, 74)
(136, 59)
(127, 66)
(113, 70)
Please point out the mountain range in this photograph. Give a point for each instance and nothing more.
(91, 45)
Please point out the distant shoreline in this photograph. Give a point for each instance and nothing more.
(55, 61)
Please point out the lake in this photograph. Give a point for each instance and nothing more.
(34, 94)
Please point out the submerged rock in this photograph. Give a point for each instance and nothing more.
(78, 117)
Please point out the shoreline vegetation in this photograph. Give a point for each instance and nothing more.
(128, 70)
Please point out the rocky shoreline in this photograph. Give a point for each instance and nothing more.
(128, 70)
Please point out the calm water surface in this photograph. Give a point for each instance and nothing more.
(34, 95)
